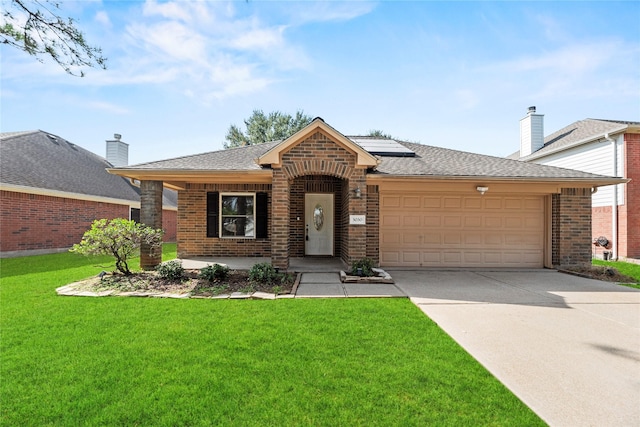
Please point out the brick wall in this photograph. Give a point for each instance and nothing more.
(37, 222)
(150, 215)
(632, 196)
(192, 224)
(373, 223)
(571, 227)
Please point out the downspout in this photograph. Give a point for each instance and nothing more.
(614, 201)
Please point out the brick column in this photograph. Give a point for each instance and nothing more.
(280, 220)
(151, 215)
(357, 234)
(571, 227)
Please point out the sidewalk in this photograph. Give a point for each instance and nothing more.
(328, 285)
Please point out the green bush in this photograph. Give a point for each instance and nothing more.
(120, 238)
(215, 272)
(362, 267)
(171, 270)
(263, 273)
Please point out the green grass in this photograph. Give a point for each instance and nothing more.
(146, 361)
(626, 268)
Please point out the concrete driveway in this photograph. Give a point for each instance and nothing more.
(566, 346)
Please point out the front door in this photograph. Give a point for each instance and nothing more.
(318, 224)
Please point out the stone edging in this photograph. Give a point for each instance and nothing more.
(71, 290)
(382, 277)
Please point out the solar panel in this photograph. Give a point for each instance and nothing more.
(383, 147)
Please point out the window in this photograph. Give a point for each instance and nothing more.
(237, 215)
(240, 215)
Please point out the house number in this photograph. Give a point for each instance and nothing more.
(357, 219)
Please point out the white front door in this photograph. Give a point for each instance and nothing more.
(318, 216)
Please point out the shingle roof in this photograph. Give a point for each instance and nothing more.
(429, 161)
(438, 161)
(583, 130)
(39, 159)
(240, 159)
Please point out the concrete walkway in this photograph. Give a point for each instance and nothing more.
(568, 347)
(328, 285)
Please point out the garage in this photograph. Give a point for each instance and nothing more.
(449, 230)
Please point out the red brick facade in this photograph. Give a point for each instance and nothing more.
(319, 164)
(192, 224)
(571, 227)
(628, 212)
(32, 222)
(316, 165)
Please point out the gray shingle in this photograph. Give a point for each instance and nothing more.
(429, 161)
(39, 159)
(583, 130)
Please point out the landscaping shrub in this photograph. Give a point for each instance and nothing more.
(215, 272)
(263, 273)
(171, 270)
(362, 267)
(119, 238)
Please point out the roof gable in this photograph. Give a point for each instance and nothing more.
(273, 157)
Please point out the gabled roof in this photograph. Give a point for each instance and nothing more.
(578, 133)
(273, 157)
(40, 160)
(238, 165)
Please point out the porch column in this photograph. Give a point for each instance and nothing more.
(150, 215)
(571, 227)
(357, 233)
(280, 220)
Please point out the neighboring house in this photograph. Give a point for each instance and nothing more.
(320, 193)
(52, 190)
(605, 147)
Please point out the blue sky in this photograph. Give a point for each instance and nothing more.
(452, 74)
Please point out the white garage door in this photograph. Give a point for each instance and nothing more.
(435, 230)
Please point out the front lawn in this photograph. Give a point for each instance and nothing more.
(626, 268)
(147, 361)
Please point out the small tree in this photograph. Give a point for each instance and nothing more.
(118, 237)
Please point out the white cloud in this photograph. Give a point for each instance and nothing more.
(102, 18)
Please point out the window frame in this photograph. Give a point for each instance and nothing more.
(222, 215)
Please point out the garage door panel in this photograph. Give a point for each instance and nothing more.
(457, 231)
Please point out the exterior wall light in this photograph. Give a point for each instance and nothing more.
(482, 190)
(357, 193)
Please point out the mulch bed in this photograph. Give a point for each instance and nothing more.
(238, 281)
(600, 272)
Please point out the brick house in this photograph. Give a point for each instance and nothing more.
(606, 147)
(321, 193)
(52, 190)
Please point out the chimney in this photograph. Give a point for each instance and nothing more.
(531, 132)
(117, 151)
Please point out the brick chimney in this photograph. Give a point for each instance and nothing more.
(531, 132)
(117, 151)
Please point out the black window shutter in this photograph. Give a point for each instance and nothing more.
(213, 210)
(262, 215)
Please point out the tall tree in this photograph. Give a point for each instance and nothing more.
(262, 128)
(35, 27)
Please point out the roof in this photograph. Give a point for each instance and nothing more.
(582, 131)
(41, 160)
(433, 161)
(429, 161)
